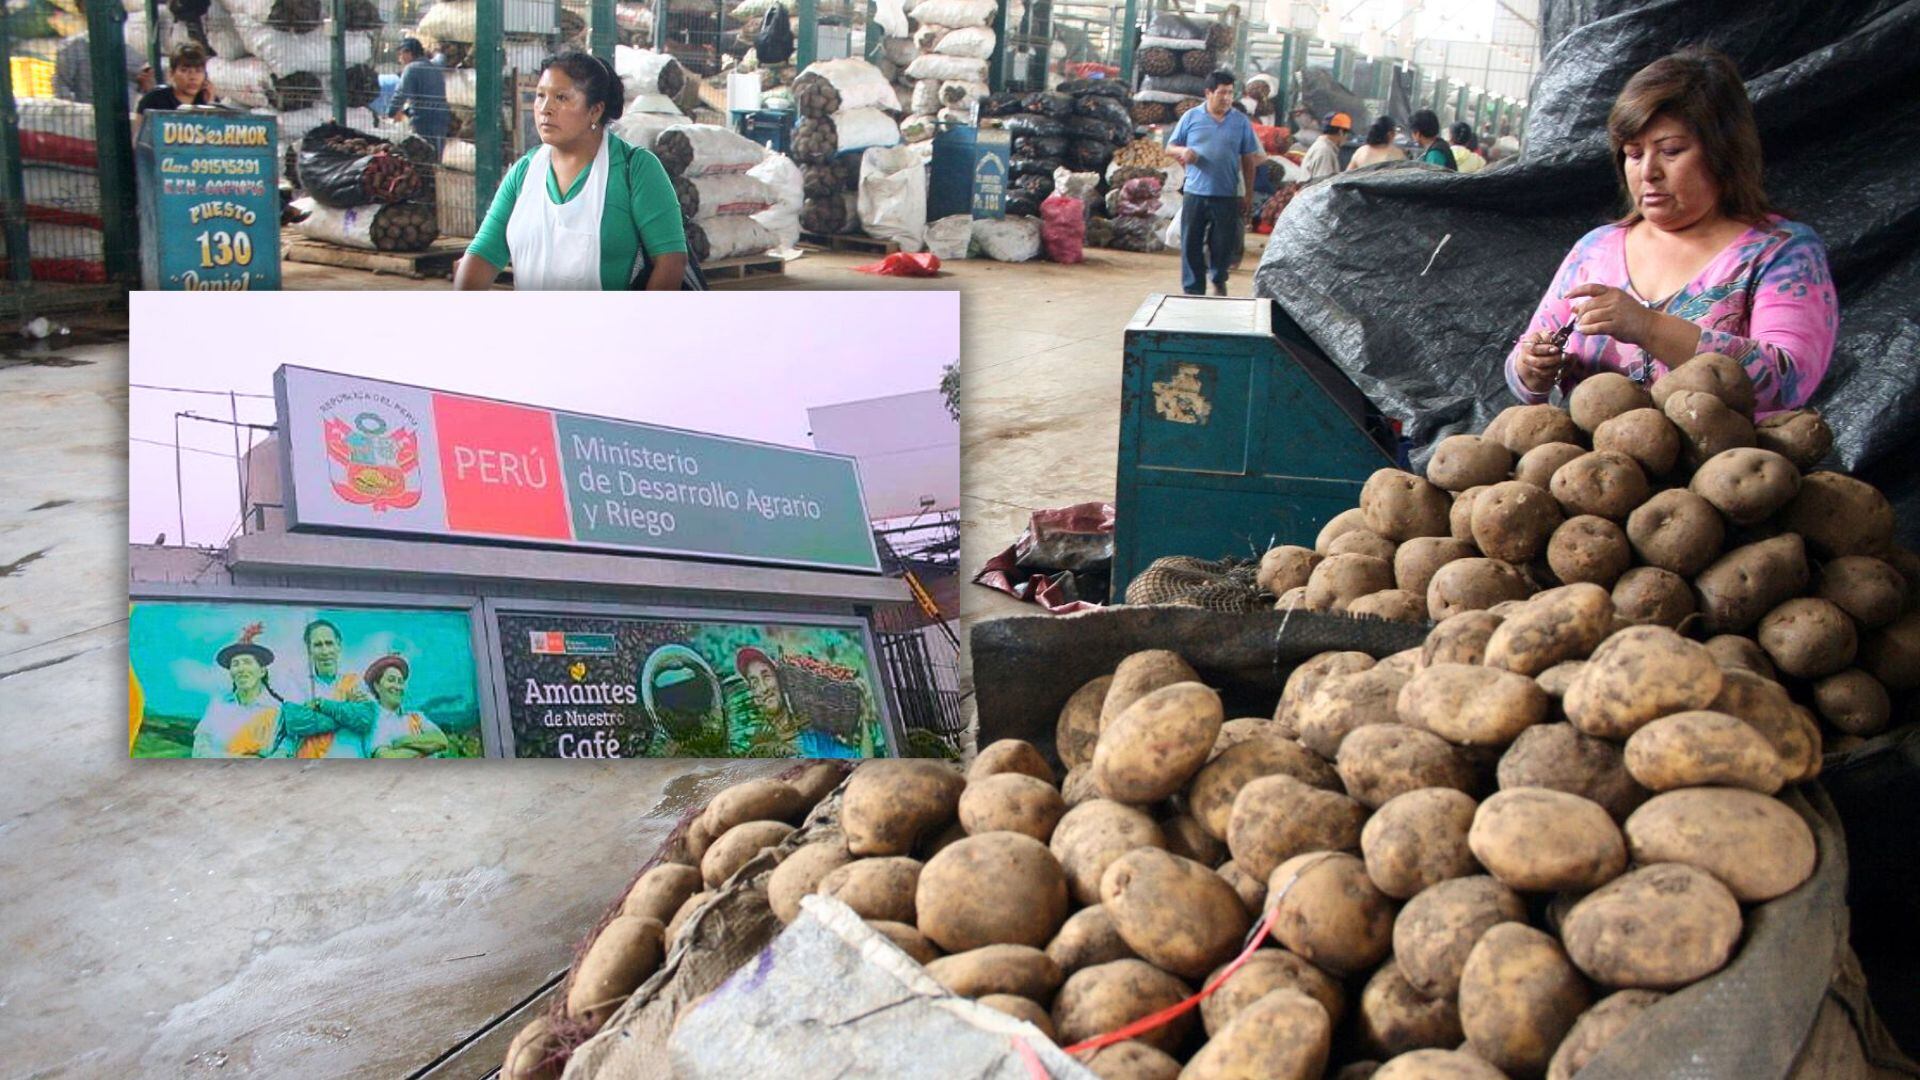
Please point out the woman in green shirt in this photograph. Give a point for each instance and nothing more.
(582, 210)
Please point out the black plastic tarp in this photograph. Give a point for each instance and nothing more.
(1836, 91)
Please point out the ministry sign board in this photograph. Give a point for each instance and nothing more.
(377, 456)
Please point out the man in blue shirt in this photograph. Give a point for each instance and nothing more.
(422, 92)
(1217, 145)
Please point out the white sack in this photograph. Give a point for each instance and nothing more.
(718, 150)
(1012, 239)
(641, 128)
(947, 68)
(731, 236)
(782, 176)
(861, 85)
(862, 128)
(731, 195)
(971, 42)
(351, 227)
(893, 196)
(955, 13)
(950, 236)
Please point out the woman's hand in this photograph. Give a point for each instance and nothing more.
(1540, 362)
(1611, 312)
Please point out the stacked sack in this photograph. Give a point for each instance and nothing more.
(1176, 56)
(449, 26)
(946, 70)
(277, 55)
(712, 170)
(1678, 511)
(655, 83)
(62, 186)
(845, 106)
(1078, 127)
(1143, 194)
(365, 192)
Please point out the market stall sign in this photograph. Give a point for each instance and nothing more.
(380, 456)
(209, 201)
(993, 150)
(689, 687)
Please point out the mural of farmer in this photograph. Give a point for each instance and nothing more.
(339, 732)
(398, 732)
(245, 721)
(776, 710)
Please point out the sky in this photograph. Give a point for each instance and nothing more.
(746, 364)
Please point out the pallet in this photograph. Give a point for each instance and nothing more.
(743, 268)
(435, 262)
(865, 245)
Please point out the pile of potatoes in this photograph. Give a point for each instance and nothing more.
(1688, 513)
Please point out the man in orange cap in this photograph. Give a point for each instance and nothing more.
(1323, 157)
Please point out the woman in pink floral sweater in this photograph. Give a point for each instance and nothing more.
(1701, 263)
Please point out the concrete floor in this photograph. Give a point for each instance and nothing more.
(199, 918)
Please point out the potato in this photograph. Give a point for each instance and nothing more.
(1211, 795)
(993, 889)
(536, 1053)
(1264, 972)
(801, 872)
(1519, 996)
(881, 889)
(696, 840)
(1660, 927)
(1871, 592)
(1459, 639)
(1078, 787)
(1130, 1060)
(1242, 729)
(1011, 756)
(909, 939)
(1011, 802)
(735, 849)
(1735, 653)
(816, 781)
(1417, 840)
(1342, 579)
(1286, 567)
(1395, 1018)
(1400, 506)
(1020, 970)
(1437, 1065)
(1603, 396)
(660, 891)
(1174, 913)
(1513, 520)
(1596, 1028)
(1753, 844)
(1021, 1009)
(1854, 702)
(1539, 464)
(625, 953)
(1749, 581)
(1707, 426)
(1139, 675)
(1343, 522)
(1079, 725)
(1393, 605)
(1252, 890)
(1357, 1070)
(1329, 913)
(890, 803)
(1277, 817)
(1650, 596)
(1555, 680)
(1588, 549)
(1559, 757)
(683, 917)
(1471, 706)
(1764, 705)
(1472, 585)
(1636, 676)
(1460, 462)
(1646, 436)
(755, 800)
(1153, 748)
(1294, 599)
(1698, 748)
(1362, 542)
(1892, 654)
(1676, 530)
(1342, 703)
(1604, 483)
(1286, 1035)
(1107, 997)
(1437, 930)
(1416, 561)
(1304, 679)
(1710, 373)
(1799, 435)
(1520, 428)
(1746, 484)
(1460, 514)
(1088, 937)
(1095, 833)
(1187, 839)
(1809, 638)
(1840, 516)
(1561, 624)
(1381, 761)
(1541, 840)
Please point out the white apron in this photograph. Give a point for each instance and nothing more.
(557, 247)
